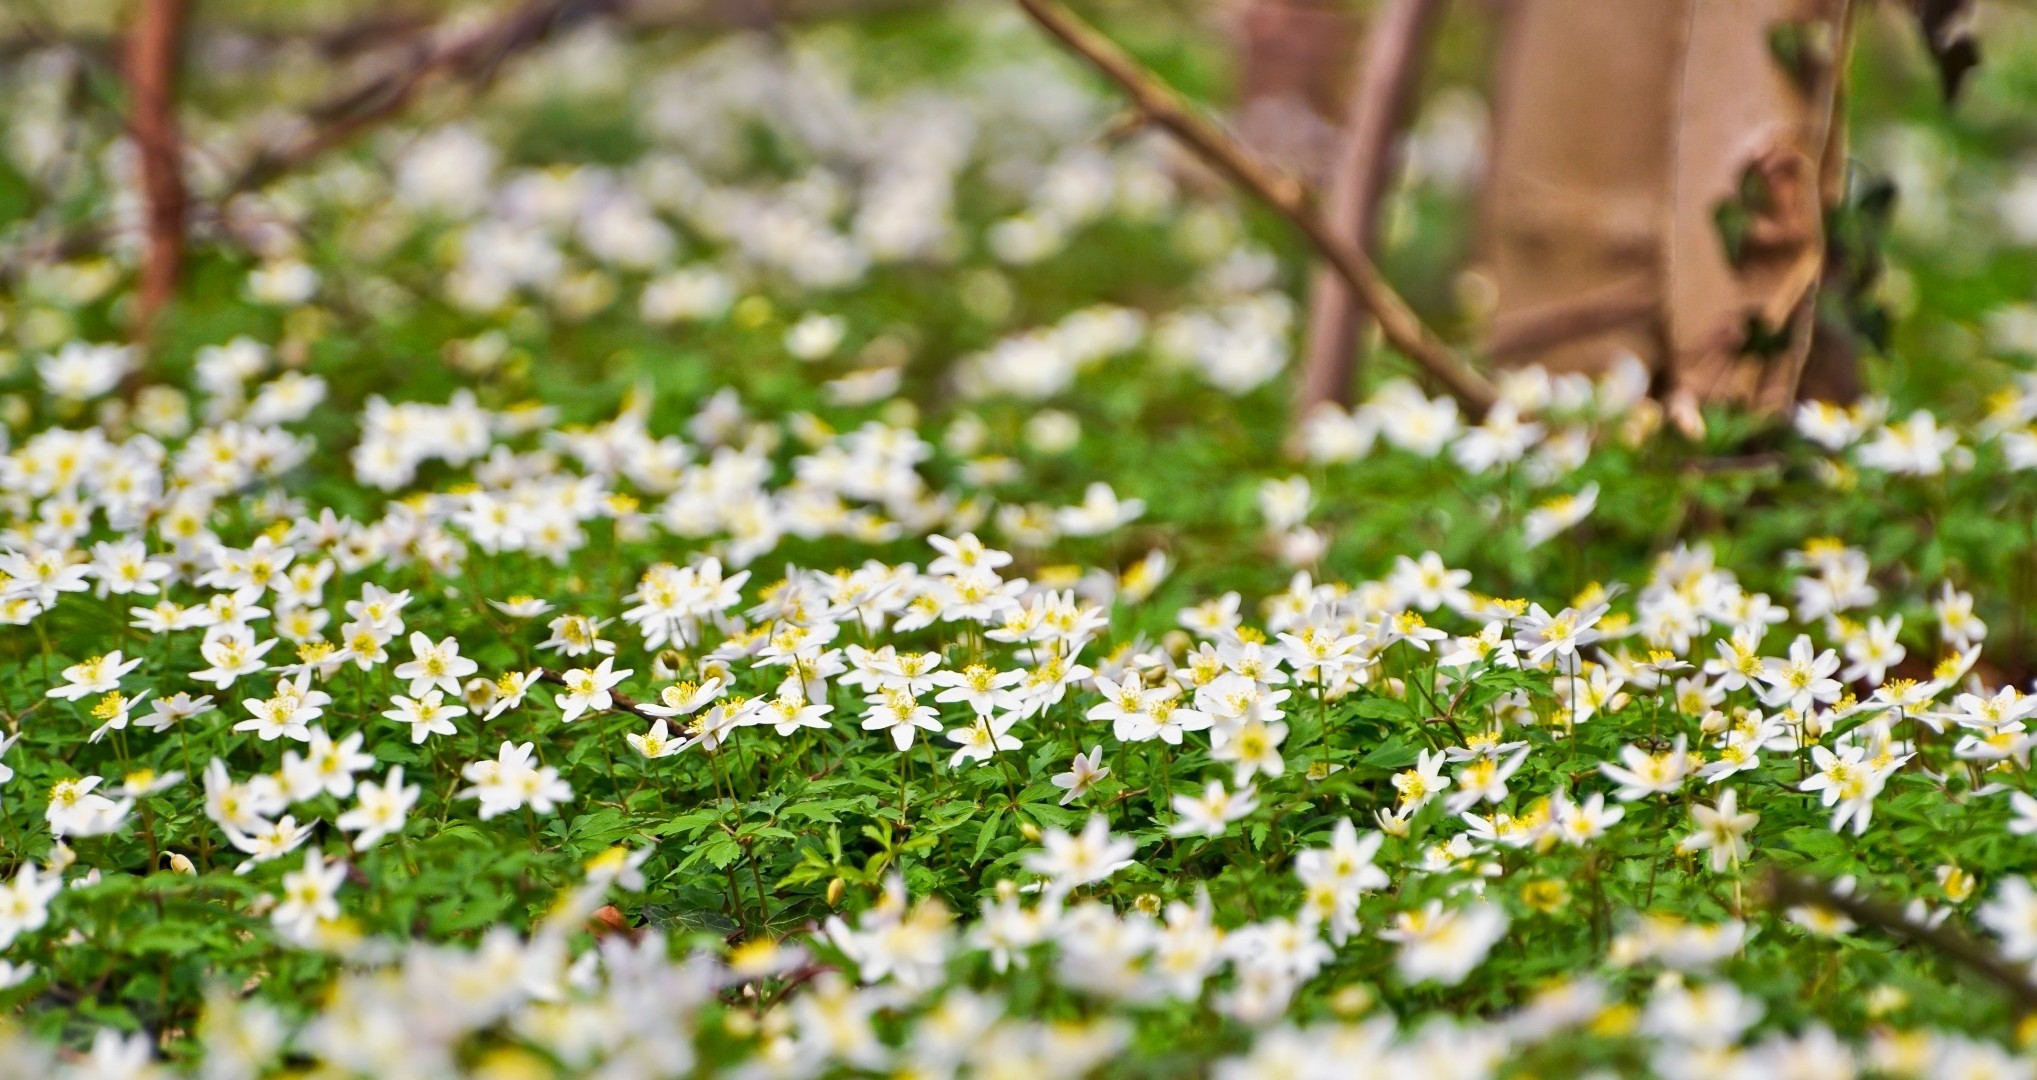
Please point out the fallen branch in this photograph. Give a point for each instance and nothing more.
(1166, 109)
(1785, 889)
(1373, 118)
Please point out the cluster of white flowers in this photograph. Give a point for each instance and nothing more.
(1311, 814)
(1743, 674)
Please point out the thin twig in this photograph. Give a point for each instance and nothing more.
(1786, 889)
(1168, 110)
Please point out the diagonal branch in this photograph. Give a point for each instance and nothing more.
(1166, 109)
(1378, 106)
(1983, 959)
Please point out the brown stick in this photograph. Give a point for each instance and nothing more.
(150, 64)
(1377, 109)
(1984, 960)
(1398, 323)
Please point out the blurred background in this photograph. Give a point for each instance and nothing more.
(1756, 200)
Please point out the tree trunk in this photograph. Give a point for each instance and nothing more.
(1659, 179)
(150, 62)
(1358, 184)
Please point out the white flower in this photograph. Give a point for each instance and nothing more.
(435, 665)
(1802, 680)
(1438, 945)
(1646, 774)
(901, 714)
(1545, 637)
(1211, 813)
(1848, 784)
(587, 689)
(1100, 512)
(76, 810)
(815, 336)
(326, 766)
(1580, 823)
(81, 371)
(1253, 748)
(24, 902)
(310, 896)
(657, 743)
(379, 809)
(1069, 862)
(1346, 864)
(427, 715)
(1712, 1015)
(1722, 830)
(1558, 514)
(983, 739)
(94, 675)
(1087, 770)
(512, 781)
(2012, 916)
(1423, 782)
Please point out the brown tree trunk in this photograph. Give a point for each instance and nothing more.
(1359, 179)
(150, 63)
(1660, 175)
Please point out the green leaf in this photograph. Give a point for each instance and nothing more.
(986, 834)
(688, 824)
(1392, 710)
(1395, 753)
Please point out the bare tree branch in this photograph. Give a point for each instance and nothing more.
(1363, 171)
(1168, 110)
(1786, 889)
(150, 63)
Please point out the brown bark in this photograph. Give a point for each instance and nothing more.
(1363, 171)
(1757, 135)
(1682, 152)
(1577, 188)
(150, 67)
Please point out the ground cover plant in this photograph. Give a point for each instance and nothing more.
(789, 556)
